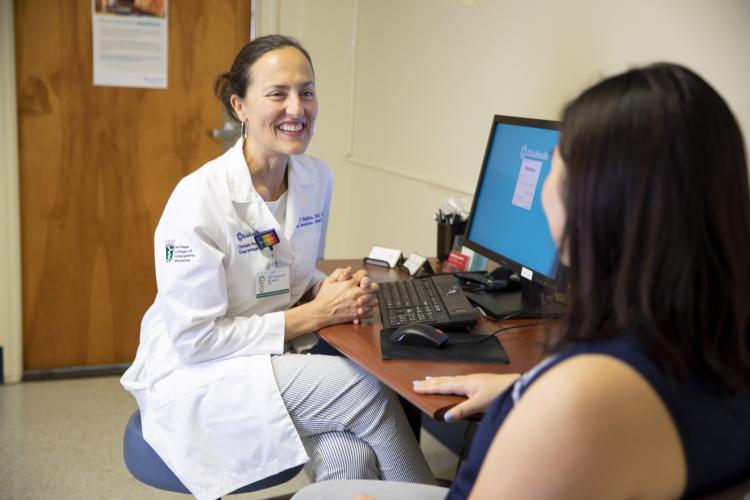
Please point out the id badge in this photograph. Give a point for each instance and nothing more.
(274, 281)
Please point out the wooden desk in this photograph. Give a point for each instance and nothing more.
(361, 344)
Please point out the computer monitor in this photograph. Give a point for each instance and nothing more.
(507, 223)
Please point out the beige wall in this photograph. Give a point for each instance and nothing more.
(408, 88)
(10, 257)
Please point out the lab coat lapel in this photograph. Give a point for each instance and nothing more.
(239, 183)
(300, 182)
(241, 190)
(259, 216)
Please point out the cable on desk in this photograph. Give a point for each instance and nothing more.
(492, 335)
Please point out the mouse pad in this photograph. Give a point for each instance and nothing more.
(488, 351)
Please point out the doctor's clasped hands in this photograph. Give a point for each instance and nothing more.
(342, 297)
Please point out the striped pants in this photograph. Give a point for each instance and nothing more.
(350, 424)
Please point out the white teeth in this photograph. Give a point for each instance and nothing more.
(288, 127)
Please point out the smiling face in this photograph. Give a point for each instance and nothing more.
(552, 203)
(280, 105)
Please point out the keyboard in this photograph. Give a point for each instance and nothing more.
(435, 300)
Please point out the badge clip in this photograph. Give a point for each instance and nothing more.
(266, 239)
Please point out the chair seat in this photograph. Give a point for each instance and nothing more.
(146, 466)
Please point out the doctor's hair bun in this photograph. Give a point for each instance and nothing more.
(237, 79)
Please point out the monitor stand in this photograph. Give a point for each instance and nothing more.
(526, 303)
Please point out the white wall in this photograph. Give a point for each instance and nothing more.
(10, 236)
(408, 88)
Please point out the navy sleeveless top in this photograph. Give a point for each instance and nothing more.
(714, 427)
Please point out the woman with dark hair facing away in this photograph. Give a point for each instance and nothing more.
(646, 392)
(223, 401)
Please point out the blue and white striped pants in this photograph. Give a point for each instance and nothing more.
(351, 425)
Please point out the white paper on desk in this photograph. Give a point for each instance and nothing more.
(414, 263)
(389, 255)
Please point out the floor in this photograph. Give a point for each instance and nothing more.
(63, 440)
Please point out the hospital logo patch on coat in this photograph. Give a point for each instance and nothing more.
(170, 250)
(174, 252)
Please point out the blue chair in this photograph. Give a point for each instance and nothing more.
(146, 466)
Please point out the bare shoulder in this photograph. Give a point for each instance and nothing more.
(591, 426)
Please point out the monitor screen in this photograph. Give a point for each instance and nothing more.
(507, 223)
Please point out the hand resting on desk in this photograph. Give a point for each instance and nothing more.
(480, 390)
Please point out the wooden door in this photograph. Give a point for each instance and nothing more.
(97, 165)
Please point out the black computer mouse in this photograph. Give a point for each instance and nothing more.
(419, 335)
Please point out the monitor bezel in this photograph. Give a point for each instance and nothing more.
(557, 281)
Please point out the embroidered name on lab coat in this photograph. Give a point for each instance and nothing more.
(309, 220)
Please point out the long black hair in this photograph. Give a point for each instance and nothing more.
(237, 79)
(658, 222)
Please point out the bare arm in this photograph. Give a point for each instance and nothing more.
(591, 427)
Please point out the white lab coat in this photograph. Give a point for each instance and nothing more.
(202, 375)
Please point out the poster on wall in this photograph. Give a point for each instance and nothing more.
(130, 43)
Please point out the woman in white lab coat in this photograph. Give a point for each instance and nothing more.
(235, 251)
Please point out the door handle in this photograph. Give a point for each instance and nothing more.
(228, 131)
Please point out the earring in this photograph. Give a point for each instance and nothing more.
(243, 131)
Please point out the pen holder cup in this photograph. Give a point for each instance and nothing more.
(446, 234)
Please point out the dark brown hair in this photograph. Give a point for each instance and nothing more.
(237, 79)
(658, 222)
